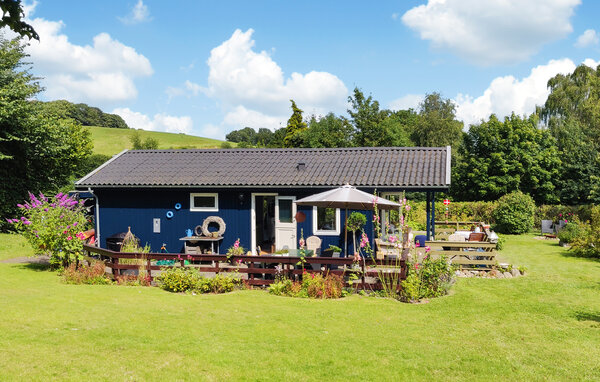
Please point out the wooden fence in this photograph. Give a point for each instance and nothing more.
(260, 270)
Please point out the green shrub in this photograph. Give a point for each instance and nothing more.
(430, 278)
(178, 279)
(86, 274)
(587, 243)
(514, 213)
(187, 279)
(570, 232)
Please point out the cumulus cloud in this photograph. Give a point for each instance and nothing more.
(188, 89)
(159, 122)
(587, 38)
(507, 94)
(139, 14)
(250, 86)
(493, 31)
(409, 101)
(101, 72)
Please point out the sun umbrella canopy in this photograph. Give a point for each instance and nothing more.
(347, 197)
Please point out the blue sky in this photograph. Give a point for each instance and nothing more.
(206, 68)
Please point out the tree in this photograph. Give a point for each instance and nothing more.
(247, 134)
(575, 96)
(328, 131)
(12, 17)
(437, 125)
(295, 127)
(366, 117)
(37, 152)
(82, 113)
(147, 144)
(498, 157)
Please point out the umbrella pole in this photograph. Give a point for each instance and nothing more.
(346, 233)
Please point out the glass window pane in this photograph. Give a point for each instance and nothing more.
(204, 201)
(285, 210)
(325, 219)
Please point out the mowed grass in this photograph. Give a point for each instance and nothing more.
(110, 141)
(545, 326)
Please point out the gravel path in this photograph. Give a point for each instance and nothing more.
(28, 260)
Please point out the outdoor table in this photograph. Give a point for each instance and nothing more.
(212, 240)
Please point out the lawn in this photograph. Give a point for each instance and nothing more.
(109, 141)
(545, 326)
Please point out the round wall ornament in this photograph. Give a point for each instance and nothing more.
(213, 219)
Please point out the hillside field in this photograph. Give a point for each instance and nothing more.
(110, 141)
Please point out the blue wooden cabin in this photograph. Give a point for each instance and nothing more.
(162, 193)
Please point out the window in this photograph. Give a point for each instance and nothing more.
(285, 210)
(326, 221)
(204, 202)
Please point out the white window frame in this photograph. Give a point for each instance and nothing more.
(335, 232)
(204, 209)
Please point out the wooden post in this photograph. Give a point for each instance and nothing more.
(115, 260)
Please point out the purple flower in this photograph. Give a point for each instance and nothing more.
(59, 195)
(45, 209)
(27, 222)
(23, 218)
(20, 206)
(75, 224)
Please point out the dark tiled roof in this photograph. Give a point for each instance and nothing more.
(407, 167)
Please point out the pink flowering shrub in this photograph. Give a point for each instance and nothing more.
(235, 250)
(53, 226)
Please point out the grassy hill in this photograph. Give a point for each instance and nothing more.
(110, 141)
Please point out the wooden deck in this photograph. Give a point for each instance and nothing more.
(258, 270)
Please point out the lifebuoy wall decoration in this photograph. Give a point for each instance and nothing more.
(213, 219)
(177, 206)
(169, 214)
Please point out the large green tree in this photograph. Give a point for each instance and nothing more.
(366, 117)
(575, 96)
(437, 124)
(37, 152)
(295, 127)
(499, 157)
(328, 131)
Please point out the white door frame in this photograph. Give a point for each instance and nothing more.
(291, 225)
(253, 217)
(384, 213)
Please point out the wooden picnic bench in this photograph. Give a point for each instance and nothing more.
(466, 254)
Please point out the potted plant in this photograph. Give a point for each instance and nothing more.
(355, 222)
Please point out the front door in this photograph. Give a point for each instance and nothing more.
(285, 222)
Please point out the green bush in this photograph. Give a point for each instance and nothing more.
(570, 232)
(187, 279)
(430, 278)
(514, 214)
(179, 279)
(587, 244)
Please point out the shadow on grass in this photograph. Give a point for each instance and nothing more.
(571, 254)
(582, 315)
(37, 267)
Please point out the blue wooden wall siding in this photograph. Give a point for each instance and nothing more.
(136, 208)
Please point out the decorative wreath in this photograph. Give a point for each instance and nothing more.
(212, 219)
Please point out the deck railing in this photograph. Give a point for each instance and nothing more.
(260, 270)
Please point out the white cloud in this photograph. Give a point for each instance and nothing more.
(249, 84)
(395, 16)
(406, 102)
(160, 122)
(507, 94)
(493, 31)
(587, 38)
(101, 72)
(139, 14)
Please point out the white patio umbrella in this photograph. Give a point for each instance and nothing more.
(347, 197)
